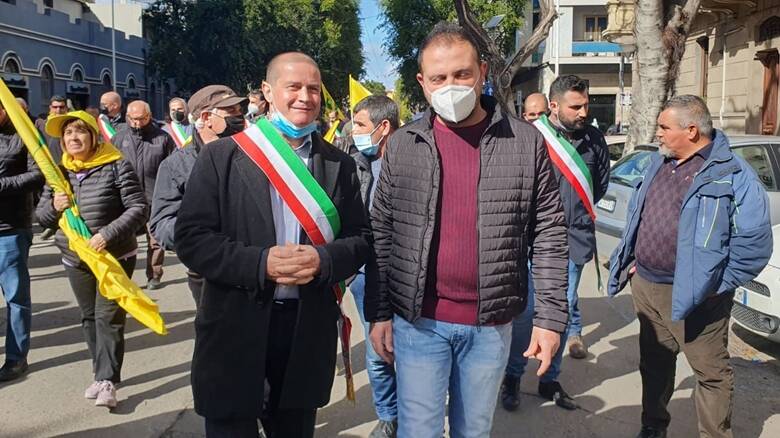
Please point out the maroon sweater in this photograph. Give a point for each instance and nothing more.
(452, 293)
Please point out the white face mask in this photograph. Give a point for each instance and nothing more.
(454, 103)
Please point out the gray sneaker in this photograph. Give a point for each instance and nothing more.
(106, 395)
(385, 429)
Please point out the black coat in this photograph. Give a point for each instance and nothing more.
(145, 151)
(169, 190)
(592, 147)
(19, 179)
(223, 231)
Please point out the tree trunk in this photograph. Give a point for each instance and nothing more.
(660, 46)
(501, 72)
(652, 63)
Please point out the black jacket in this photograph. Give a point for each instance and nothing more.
(519, 209)
(593, 149)
(111, 202)
(19, 179)
(169, 190)
(145, 151)
(364, 175)
(52, 142)
(224, 230)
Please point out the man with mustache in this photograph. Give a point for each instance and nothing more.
(567, 123)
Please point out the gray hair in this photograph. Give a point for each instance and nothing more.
(379, 108)
(183, 102)
(691, 110)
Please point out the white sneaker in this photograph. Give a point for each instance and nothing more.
(106, 394)
(92, 391)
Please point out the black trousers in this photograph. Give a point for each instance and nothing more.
(102, 321)
(277, 423)
(195, 283)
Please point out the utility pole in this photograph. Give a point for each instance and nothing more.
(113, 48)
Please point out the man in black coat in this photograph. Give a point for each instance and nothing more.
(268, 311)
(145, 145)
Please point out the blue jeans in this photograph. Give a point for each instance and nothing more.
(15, 282)
(433, 357)
(381, 375)
(523, 324)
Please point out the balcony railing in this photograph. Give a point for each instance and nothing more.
(582, 48)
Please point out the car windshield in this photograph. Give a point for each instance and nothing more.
(631, 167)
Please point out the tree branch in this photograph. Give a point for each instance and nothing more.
(548, 17)
(469, 21)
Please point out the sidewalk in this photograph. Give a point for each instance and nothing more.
(155, 399)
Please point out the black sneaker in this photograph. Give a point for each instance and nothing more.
(385, 429)
(510, 393)
(12, 370)
(554, 392)
(651, 432)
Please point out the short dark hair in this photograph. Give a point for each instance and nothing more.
(58, 98)
(691, 110)
(379, 108)
(449, 33)
(562, 84)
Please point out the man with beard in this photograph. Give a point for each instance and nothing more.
(698, 227)
(466, 195)
(585, 146)
(180, 128)
(216, 110)
(273, 219)
(146, 146)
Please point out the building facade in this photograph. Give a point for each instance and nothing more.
(731, 60)
(575, 45)
(64, 48)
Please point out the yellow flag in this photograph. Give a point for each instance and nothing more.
(357, 92)
(330, 104)
(113, 283)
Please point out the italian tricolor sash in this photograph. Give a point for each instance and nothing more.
(306, 199)
(106, 130)
(569, 163)
(179, 135)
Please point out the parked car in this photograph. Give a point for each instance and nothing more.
(616, 143)
(757, 304)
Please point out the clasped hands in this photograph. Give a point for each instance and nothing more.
(292, 265)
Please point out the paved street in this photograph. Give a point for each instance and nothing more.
(155, 398)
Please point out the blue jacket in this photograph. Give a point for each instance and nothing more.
(724, 237)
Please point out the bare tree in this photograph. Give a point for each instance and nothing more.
(501, 71)
(661, 28)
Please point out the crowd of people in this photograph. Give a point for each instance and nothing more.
(462, 236)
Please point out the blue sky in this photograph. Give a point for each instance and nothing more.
(378, 66)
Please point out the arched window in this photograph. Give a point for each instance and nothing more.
(769, 29)
(11, 66)
(131, 83)
(47, 84)
(78, 76)
(107, 81)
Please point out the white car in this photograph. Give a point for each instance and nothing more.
(757, 304)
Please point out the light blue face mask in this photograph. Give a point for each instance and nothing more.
(364, 144)
(287, 128)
